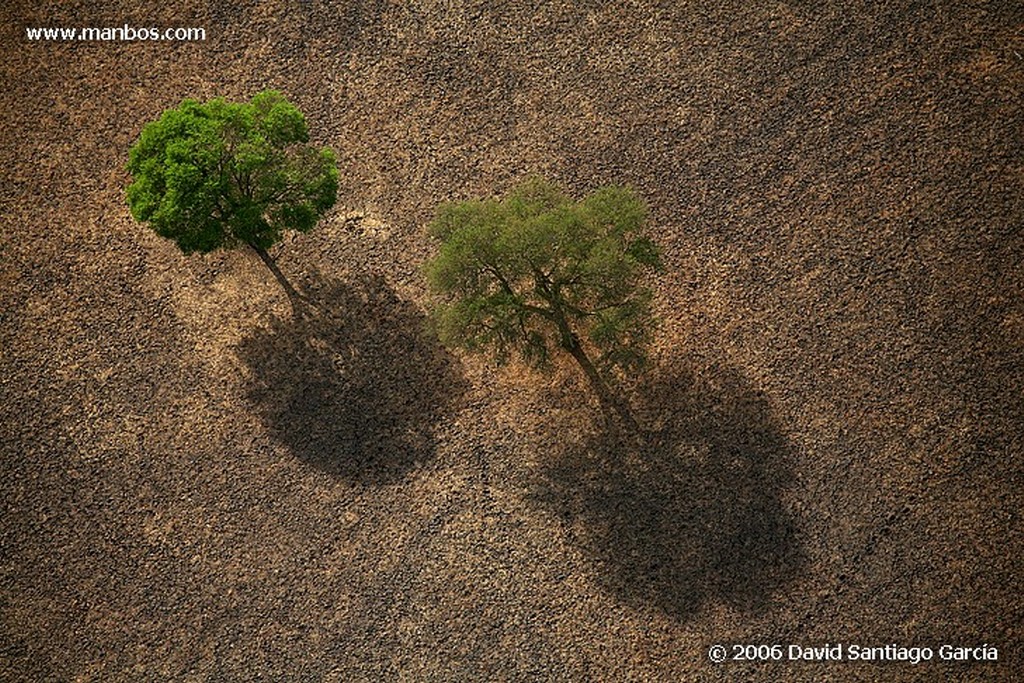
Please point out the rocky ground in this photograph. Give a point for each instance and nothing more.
(196, 487)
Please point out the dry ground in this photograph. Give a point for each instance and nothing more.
(197, 488)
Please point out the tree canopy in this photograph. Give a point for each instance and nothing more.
(537, 271)
(218, 174)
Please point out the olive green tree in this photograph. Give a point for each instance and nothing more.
(537, 272)
(222, 174)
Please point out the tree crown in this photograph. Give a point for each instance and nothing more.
(211, 175)
(536, 269)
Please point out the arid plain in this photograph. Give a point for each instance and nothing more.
(196, 487)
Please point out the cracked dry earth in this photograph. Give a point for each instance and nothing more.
(197, 487)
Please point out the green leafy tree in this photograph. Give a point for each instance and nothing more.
(537, 271)
(222, 174)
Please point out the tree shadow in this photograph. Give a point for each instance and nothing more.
(354, 386)
(690, 511)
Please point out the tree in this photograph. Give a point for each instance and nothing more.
(538, 271)
(223, 174)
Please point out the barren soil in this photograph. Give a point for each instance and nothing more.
(197, 487)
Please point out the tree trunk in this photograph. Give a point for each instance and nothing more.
(296, 299)
(610, 403)
(605, 396)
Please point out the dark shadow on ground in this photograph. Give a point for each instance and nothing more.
(357, 386)
(691, 511)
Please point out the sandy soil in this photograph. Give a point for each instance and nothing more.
(196, 487)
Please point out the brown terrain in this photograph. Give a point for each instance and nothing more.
(197, 487)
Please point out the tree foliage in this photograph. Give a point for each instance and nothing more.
(218, 174)
(537, 271)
